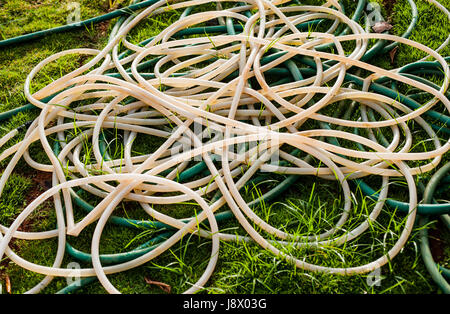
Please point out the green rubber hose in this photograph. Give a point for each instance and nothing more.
(434, 270)
(65, 28)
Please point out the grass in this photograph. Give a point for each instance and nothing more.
(310, 205)
(13, 199)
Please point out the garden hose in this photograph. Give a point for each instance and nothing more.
(229, 120)
(69, 27)
(437, 272)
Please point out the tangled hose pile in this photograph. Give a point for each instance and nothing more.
(235, 91)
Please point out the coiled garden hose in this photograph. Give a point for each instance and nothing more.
(218, 78)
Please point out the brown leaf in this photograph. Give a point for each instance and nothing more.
(165, 287)
(392, 54)
(382, 26)
(8, 284)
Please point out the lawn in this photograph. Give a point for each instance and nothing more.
(310, 204)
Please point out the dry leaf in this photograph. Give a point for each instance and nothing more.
(382, 26)
(165, 287)
(392, 54)
(8, 284)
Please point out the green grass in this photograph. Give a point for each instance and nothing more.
(309, 206)
(13, 198)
